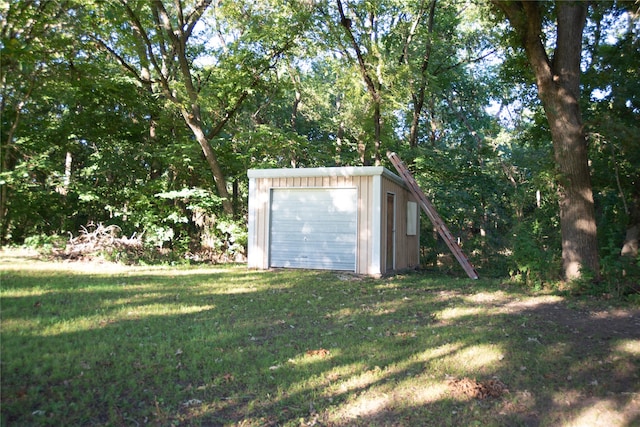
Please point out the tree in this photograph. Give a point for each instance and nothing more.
(34, 41)
(167, 41)
(366, 49)
(558, 83)
(612, 112)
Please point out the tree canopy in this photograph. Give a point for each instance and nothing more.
(519, 119)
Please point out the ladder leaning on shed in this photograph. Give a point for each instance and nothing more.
(435, 219)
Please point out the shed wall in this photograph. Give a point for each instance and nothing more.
(407, 247)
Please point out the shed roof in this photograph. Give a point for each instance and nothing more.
(325, 171)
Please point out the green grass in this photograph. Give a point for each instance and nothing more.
(134, 346)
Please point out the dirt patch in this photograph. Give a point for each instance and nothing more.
(470, 388)
(595, 351)
(585, 329)
(595, 322)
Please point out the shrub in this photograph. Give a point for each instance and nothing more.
(536, 258)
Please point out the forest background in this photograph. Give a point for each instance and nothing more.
(138, 120)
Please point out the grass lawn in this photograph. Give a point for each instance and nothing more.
(102, 344)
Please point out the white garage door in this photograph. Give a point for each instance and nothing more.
(313, 228)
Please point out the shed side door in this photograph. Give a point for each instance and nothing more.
(313, 228)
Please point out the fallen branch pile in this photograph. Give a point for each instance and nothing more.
(98, 240)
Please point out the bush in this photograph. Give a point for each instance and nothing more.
(536, 258)
(44, 242)
(221, 240)
(620, 276)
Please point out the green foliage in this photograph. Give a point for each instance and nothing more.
(277, 85)
(230, 239)
(191, 227)
(620, 274)
(44, 241)
(192, 198)
(536, 258)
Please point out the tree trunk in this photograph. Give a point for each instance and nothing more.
(294, 111)
(418, 97)
(632, 237)
(339, 135)
(630, 247)
(374, 87)
(218, 176)
(577, 215)
(558, 83)
(377, 129)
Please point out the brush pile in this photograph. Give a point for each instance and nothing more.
(99, 241)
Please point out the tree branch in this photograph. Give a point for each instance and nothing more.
(346, 23)
(526, 18)
(119, 58)
(195, 15)
(164, 81)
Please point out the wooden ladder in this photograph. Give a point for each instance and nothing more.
(435, 219)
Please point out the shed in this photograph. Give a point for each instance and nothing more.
(358, 219)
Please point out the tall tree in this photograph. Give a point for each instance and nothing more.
(370, 66)
(33, 41)
(558, 82)
(168, 41)
(426, 12)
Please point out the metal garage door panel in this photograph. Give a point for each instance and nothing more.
(313, 228)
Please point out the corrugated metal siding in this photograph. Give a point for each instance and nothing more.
(407, 247)
(365, 186)
(260, 214)
(313, 228)
(258, 223)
